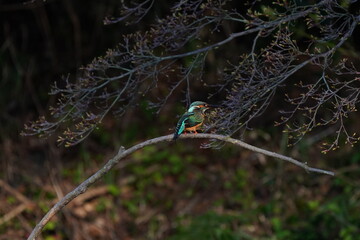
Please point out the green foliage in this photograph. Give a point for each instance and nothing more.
(114, 190)
(50, 238)
(44, 207)
(79, 173)
(278, 228)
(103, 204)
(50, 226)
(211, 226)
(131, 205)
(11, 199)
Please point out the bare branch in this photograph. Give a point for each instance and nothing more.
(181, 44)
(122, 153)
(138, 11)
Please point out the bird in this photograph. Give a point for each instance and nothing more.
(192, 119)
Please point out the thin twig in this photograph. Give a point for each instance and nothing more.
(26, 203)
(123, 153)
(13, 213)
(18, 195)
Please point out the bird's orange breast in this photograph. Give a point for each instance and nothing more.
(193, 128)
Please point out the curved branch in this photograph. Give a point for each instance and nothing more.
(123, 153)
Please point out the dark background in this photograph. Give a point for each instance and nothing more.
(170, 191)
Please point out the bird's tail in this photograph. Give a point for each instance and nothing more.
(176, 135)
(179, 129)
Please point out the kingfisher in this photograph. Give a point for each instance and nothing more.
(192, 119)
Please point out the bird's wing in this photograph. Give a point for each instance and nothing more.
(183, 121)
(180, 127)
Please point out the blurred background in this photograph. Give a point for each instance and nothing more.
(167, 191)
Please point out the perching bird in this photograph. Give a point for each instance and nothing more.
(192, 119)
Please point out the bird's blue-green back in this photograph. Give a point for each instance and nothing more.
(189, 119)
